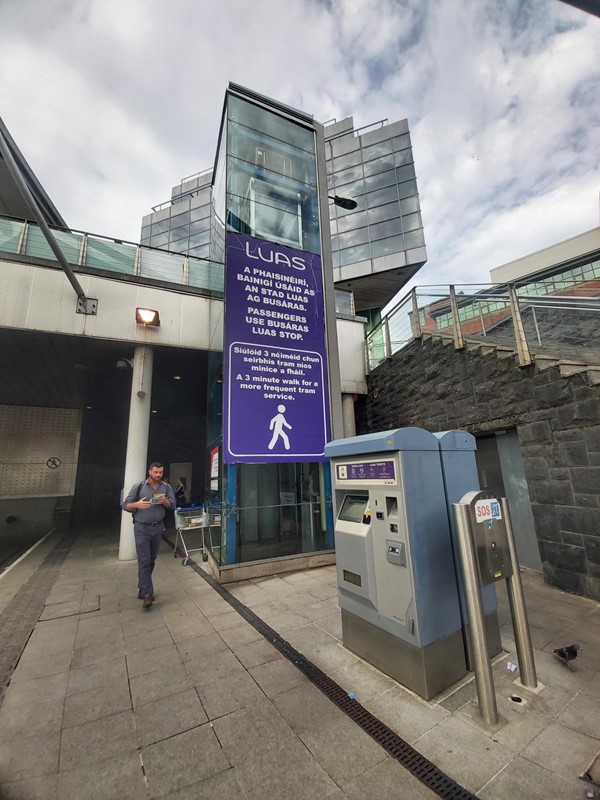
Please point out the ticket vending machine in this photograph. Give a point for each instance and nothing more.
(397, 584)
(459, 470)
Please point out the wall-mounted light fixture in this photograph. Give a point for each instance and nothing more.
(148, 317)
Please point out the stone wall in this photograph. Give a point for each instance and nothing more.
(433, 386)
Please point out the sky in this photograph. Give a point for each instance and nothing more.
(113, 102)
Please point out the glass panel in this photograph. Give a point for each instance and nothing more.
(409, 205)
(347, 175)
(161, 226)
(206, 275)
(69, 243)
(377, 150)
(109, 255)
(199, 238)
(179, 233)
(355, 190)
(350, 160)
(200, 252)
(382, 230)
(407, 189)
(380, 180)
(180, 219)
(161, 240)
(353, 254)
(383, 247)
(389, 211)
(379, 165)
(344, 302)
(199, 226)
(401, 142)
(161, 266)
(145, 234)
(351, 238)
(351, 221)
(202, 212)
(405, 173)
(272, 188)
(411, 222)
(382, 196)
(403, 157)
(414, 239)
(259, 119)
(10, 233)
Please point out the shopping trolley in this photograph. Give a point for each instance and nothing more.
(186, 521)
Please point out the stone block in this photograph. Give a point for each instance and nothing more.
(592, 438)
(586, 412)
(591, 586)
(563, 579)
(558, 493)
(535, 432)
(573, 454)
(586, 480)
(546, 521)
(564, 556)
(571, 435)
(587, 500)
(553, 394)
(536, 469)
(559, 474)
(595, 459)
(592, 548)
(580, 520)
(575, 539)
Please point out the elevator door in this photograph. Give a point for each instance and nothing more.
(501, 471)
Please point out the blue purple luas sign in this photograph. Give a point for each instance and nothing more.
(276, 403)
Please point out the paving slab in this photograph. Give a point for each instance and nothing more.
(188, 700)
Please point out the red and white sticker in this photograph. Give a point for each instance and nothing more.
(487, 509)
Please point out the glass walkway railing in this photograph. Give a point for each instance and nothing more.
(92, 252)
(555, 316)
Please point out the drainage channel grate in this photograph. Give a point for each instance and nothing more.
(426, 772)
(20, 616)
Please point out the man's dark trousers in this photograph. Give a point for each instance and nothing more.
(147, 542)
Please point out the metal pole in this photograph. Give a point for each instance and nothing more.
(415, 320)
(39, 218)
(386, 336)
(459, 341)
(520, 338)
(481, 658)
(537, 328)
(518, 610)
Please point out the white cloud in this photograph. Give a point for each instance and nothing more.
(113, 101)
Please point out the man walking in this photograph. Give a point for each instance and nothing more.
(147, 502)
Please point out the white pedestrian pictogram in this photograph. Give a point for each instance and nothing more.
(276, 425)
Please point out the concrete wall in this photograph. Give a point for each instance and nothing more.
(558, 424)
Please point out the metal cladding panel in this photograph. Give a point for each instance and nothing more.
(434, 577)
(384, 441)
(38, 450)
(38, 298)
(456, 440)
(351, 347)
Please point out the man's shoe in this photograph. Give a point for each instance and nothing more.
(141, 596)
(148, 600)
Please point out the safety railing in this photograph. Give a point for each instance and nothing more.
(556, 317)
(90, 251)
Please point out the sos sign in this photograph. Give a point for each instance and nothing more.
(487, 509)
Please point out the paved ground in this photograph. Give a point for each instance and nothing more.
(189, 701)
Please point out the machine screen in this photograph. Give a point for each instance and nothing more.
(354, 508)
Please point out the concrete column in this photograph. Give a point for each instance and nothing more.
(137, 440)
(348, 415)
